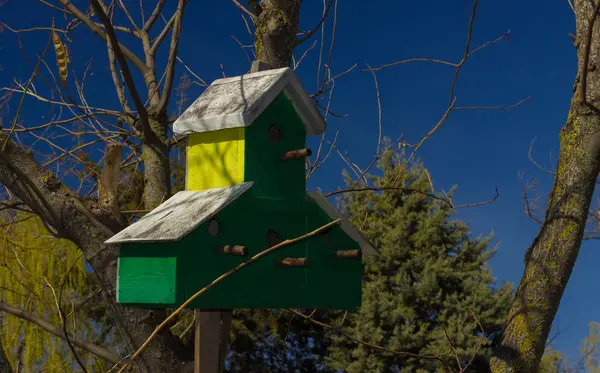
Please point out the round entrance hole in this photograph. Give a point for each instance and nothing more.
(274, 134)
(213, 228)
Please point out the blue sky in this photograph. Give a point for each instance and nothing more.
(475, 149)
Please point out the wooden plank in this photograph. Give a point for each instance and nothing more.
(146, 280)
(274, 178)
(215, 159)
(238, 101)
(179, 215)
(206, 341)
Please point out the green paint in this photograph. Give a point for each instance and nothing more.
(165, 274)
(146, 279)
(273, 177)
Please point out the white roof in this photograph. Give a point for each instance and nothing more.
(179, 215)
(349, 228)
(237, 102)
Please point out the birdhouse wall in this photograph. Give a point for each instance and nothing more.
(165, 274)
(215, 159)
(231, 156)
(277, 130)
(147, 274)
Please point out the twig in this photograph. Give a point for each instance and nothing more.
(45, 325)
(503, 108)
(364, 343)
(383, 188)
(124, 68)
(29, 83)
(309, 34)
(245, 10)
(170, 69)
(480, 203)
(221, 278)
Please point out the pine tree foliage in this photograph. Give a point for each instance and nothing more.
(47, 277)
(423, 293)
(273, 341)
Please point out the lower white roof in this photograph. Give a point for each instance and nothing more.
(179, 215)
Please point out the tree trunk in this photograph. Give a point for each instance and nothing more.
(276, 27)
(86, 225)
(83, 222)
(551, 257)
(155, 153)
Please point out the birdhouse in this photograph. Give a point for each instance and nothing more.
(245, 192)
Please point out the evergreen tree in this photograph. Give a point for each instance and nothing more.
(274, 341)
(423, 293)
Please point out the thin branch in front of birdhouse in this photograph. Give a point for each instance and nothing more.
(224, 276)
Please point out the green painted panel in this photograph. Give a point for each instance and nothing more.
(336, 282)
(272, 176)
(328, 282)
(146, 279)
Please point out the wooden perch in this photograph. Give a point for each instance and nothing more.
(293, 262)
(109, 179)
(348, 254)
(295, 154)
(233, 250)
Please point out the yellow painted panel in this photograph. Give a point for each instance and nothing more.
(215, 159)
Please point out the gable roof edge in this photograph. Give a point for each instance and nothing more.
(365, 246)
(285, 81)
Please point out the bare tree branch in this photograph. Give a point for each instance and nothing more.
(154, 16)
(364, 343)
(139, 64)
(119, 54)
(45, 325)
(244, 10)
(170, 69)
(309, 34)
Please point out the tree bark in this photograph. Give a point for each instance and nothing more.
(551, 257)
(276, 27)
(83, 222)
(157, 171)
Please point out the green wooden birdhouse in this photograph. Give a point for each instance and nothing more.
(245, 192)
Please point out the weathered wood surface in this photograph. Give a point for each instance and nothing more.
(180, 215)
(238, 101)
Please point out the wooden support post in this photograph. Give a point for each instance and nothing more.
(211, 338)
(206, 345)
